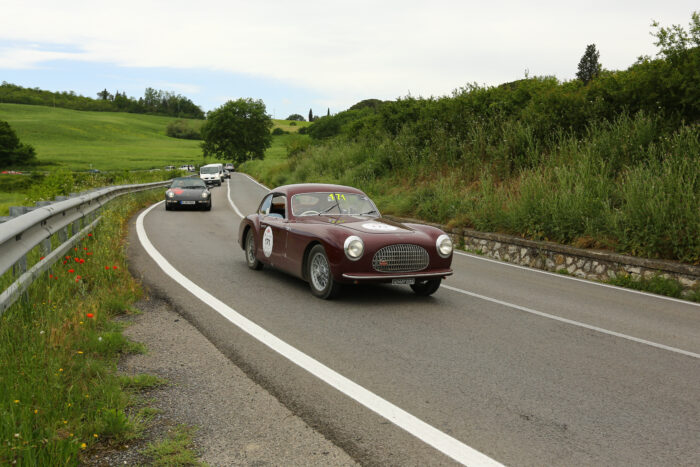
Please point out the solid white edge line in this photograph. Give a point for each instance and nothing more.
(572, 322)
(430, 435)
(230, 201)
(585, 281)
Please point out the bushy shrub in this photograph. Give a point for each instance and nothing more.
(278, 131)
(182, 129)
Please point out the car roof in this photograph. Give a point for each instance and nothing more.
(210, 165)
(297, 188)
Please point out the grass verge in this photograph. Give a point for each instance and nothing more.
(60, 395)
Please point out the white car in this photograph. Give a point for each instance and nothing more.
(212, 174)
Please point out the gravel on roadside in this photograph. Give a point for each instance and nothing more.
(237, 422)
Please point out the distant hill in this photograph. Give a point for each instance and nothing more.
(100, 140)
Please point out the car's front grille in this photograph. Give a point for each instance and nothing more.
(400, 258)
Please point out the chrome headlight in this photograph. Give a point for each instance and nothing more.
(444, 246)
(205, 194)
(354, 247)
(170, 194)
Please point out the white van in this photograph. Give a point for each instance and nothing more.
(212, 174)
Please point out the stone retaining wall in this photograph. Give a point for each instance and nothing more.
(587, 264)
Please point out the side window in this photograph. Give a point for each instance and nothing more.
(279, 206)
(265, 205)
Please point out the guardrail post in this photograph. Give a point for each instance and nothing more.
(20, 267)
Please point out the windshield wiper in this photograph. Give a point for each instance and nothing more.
(336, 205)
(369, 212)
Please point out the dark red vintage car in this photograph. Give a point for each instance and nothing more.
(330, 235)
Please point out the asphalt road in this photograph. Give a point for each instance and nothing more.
(525, 367)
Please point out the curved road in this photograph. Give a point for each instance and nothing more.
(503, 364)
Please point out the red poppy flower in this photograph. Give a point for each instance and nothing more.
(77, 278)
(84, 248)
(82, 260)
(106, 267)
(64, 262)
(114, 267)
(89, 315)
(71, 270)
(89, 253)
(89, 235)
(50, 276)
(42, 257)
(75, 249)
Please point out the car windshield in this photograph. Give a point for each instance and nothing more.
(333, 204)
(188, 183)
(209, 170)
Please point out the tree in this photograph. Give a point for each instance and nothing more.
(237, 131)
(311, 116)
(675, 40)
(328, 114)
(296, 117)
(588, 67)
(104, 95)
(12, 152)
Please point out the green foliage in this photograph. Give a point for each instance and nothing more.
(296, 117)
(176, 450)
(278, 131)
(657, 284)
(12, 152)
(674, 40)
(154, 101)
(589, 67)
(237, 131)
(181, 129)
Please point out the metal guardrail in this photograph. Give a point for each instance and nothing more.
(30, 227)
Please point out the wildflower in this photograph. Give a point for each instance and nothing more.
(87, 396)
(114, 267)
(64, 262)
(106, 268)
(42, 257)
(89, 235)
(82, 261)
(16, 401)
(36, 411)
(80, 351)
(16, 435)
(85, 248)
(50, 276)
(77, 278)
(41, 332)
(89, 315)
(65, 422)
(83, 446)
(67, 257)
(94, 435)
(71, 271)
(81, 322)
(60, 369)
(89, 253)
(75, 249)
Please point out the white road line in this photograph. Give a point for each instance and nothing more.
(230, 201)
(413, 425)
(572, 322)
(585, 281)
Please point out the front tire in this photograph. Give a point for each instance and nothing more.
(426, 288)
(319, 274)
(168, 207)
(250, 258)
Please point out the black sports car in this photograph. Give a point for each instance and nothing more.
(188, 192)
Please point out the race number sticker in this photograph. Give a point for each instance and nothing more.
(267, 242)
(379, 227)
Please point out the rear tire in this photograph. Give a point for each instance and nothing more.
(426, 288)
(250, 258)
(319, 274)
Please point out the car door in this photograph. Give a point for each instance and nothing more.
(274, 229)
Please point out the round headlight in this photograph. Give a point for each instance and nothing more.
(170, 194)
(444, 245)
(354, 247)
(205, 194)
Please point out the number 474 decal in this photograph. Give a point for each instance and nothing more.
(336, 197)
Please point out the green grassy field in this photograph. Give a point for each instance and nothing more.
(81, 140)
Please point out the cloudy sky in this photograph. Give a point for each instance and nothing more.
(296, 55)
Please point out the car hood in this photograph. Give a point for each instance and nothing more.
(369, 225)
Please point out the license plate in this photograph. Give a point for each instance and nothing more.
(403, 281)
(187, 202)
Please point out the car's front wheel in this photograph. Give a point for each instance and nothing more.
(319, 274)
(426, 288)
(250, 258)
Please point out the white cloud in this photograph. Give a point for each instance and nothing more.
(348, 50)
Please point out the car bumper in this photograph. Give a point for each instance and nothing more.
(388, 277)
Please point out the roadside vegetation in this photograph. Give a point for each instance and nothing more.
(61, 397)
(613, 163)
(26, 190)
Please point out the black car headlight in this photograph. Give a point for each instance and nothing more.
(444, 246)
(354, 247)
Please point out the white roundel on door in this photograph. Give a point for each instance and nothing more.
(267, 242)
(379, 227)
